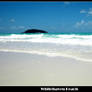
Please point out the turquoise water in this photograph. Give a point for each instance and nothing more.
(76, 46)
(48, 33)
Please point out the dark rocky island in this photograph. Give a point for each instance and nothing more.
(34, 31)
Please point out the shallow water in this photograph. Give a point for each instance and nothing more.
(77, 46)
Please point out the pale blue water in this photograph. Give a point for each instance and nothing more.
(76, 46)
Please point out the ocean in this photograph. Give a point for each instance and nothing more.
(76, 46)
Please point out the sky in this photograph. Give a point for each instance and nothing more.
(54, 17)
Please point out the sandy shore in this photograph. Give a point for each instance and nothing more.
(38, 70)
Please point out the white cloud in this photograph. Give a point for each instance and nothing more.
(78, 24)
(83, 11)
(82, 24)
(89, 23)
(87, 12)
(66, 2)
(90, 12)
(12, 20)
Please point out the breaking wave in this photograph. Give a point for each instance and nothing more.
(68, 45)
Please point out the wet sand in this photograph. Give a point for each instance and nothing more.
(21, 69)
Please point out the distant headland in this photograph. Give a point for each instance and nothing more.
(35, 31)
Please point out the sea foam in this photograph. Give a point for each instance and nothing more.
(74, 46)
(47, 38)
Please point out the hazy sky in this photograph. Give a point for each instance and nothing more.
(54, 17)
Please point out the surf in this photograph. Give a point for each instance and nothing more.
(68, 39)
(74, 46)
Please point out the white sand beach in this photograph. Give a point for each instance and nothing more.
(45, 43)
(21, 69)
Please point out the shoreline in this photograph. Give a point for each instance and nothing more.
(47, 55)
(38, 70)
